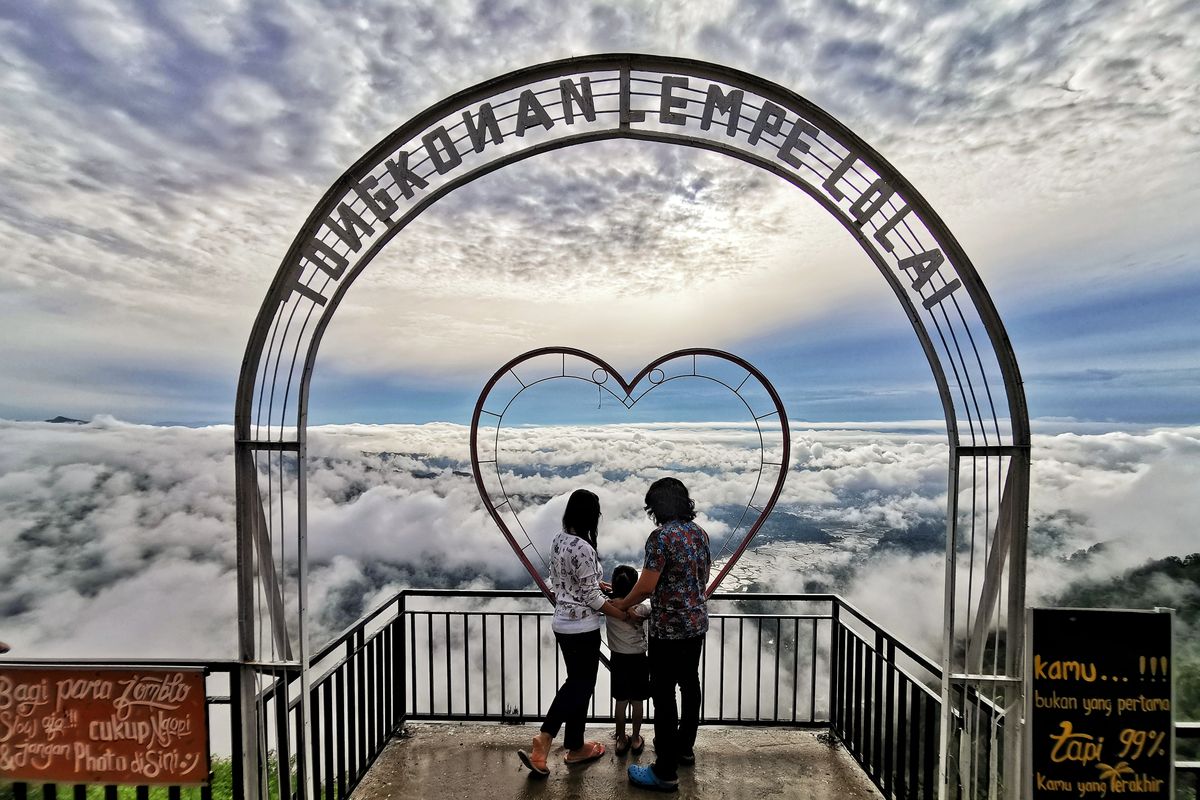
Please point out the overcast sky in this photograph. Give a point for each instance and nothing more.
(157, 159)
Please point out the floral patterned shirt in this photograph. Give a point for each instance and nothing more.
(679, 551)
(575, 578)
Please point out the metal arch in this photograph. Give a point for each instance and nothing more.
(568, 66)
(952, 342)
(629, 400)
(962, 265)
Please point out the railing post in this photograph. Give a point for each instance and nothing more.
(834, 657)
(351, 711)
(889, 733)
(400, 671)
(360, 703)
(236, 710)
(249, 768)
(877, 679)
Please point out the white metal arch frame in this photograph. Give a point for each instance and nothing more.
(695, 104)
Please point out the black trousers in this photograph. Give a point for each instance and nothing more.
(581, 652)
(674, 662)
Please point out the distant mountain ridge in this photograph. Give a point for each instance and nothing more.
(1172, 582)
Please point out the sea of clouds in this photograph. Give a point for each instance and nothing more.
(119, 539)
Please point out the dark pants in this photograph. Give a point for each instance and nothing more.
(581, 652)
(674, 662)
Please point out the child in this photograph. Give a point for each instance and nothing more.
(630, 666)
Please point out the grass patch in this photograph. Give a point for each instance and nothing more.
(221, 780)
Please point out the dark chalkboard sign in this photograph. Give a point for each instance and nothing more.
(1099, 704)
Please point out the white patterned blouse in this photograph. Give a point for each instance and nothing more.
(575, 573)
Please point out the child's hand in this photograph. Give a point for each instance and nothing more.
(606, 587)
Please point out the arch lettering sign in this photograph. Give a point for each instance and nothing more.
(692, 104)
(699, 111)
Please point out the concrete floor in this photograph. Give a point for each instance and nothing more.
(450, 761)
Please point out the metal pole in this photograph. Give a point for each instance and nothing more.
(247, 499)
(947, 712)
(302, 765)
(1014, 651)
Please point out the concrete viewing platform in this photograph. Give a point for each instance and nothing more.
(450, 761)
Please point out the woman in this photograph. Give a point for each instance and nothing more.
(674, 578)
(579, 610)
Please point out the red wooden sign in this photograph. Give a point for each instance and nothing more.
(111, 726)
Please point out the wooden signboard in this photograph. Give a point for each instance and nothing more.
(1099, 704)
(108, 726)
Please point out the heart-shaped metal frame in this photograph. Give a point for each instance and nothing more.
(629, 400)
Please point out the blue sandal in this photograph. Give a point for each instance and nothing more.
(643, 777)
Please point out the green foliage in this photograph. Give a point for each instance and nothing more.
(221, 781)
(1171, 583)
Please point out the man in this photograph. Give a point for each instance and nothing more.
(674, 577)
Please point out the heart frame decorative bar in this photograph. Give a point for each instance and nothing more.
(627, 394)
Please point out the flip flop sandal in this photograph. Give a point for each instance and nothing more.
(535, 771)
(641, 745)
(623, 745)
(596, 750)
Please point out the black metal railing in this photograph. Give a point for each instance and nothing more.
(1187, 762)
(797, 660)
(501, 664)
(885, 707)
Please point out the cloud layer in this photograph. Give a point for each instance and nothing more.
(120, 538)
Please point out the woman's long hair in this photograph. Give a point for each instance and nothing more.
(668, 501)
(582, 516)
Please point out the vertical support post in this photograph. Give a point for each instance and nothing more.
(236, 709)
(878, 676)
(1014, 650)
(889, 720)
(399, 664)
(946, 737)
(246, 678)
(835, 622)
(305, 722)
